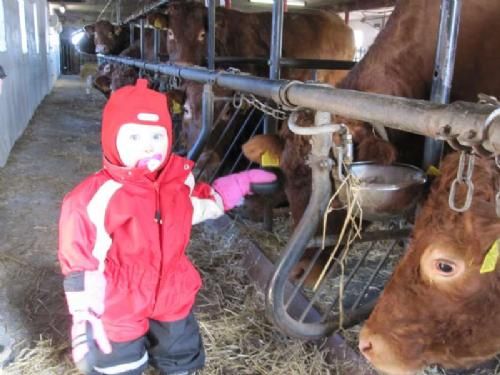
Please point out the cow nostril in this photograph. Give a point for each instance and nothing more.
(365, 346)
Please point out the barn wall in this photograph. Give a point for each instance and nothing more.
(30, 75)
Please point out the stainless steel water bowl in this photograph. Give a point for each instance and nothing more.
(387, 191)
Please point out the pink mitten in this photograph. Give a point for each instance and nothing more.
(85, 297)
(232, 188)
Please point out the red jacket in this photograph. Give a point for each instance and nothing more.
(110, 222)
(135, 230)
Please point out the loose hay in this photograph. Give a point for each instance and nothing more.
(238, 338)
(45, 358)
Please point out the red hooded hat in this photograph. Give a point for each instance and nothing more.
(133, 104)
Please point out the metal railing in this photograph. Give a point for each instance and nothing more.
(460, 121)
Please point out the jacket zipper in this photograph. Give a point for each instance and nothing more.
(159, 222)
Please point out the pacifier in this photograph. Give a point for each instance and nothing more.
(150, 163)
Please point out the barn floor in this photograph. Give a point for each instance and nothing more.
(59, 148)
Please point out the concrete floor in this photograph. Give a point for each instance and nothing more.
(59, 147)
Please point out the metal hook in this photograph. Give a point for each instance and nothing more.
(463, 177)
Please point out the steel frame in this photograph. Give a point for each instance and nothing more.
(460, 122)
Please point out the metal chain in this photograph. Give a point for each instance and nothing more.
(252, 100)
(464, 176)
(173, 82)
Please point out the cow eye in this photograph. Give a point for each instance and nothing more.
(201, 36)
(170, 35)
(445, 268)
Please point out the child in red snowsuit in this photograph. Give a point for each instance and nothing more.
(122, 235)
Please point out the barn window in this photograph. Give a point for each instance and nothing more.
(22, 24)
(35, 20)
(3, 42)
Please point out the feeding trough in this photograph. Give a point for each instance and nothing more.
(385, 191)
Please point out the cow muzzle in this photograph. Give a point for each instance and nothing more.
(383, 355)
(101, 48)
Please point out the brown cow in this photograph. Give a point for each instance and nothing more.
(109, 39)
(438, 308)
(400, 63)
(318, 35)
(86, 43)
(102, 78)
(117, 75)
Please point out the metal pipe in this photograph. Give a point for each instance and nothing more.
(141, 36)
(276, 39)
(211, 35)
(207, 120)
(321, 190)
(118, 11)
(443, 70)
(156, 45)
(461, 120)
(275, 54)
(132, 36)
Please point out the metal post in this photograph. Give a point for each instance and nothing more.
(156, 45)
(275, 54)
(141, 23)
(131, 27)
(443, 70)
(211, 35)
(118, 12)
(207, 120)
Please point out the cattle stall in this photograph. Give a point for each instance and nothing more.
(348, 287)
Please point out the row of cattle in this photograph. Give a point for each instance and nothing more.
(437, 307)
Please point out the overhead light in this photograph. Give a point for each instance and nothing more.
(62, 9)
(292, 3)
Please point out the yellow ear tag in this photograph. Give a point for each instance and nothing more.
(433, 171)
(176, 107)
(491, 258)
(157, 24)
(269, 160)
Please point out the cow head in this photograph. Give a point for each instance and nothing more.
(186, 25)
(109, 38)
(192, 114)
(122, 75)
(102, 79)
(438, 308)
(86, 43)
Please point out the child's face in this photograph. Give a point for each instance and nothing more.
(142, 145)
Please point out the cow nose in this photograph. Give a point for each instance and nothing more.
(101, 48)
(365, 346)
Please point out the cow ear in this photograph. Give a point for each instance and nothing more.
(158, 20)
(117, 30)
(89, 29)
